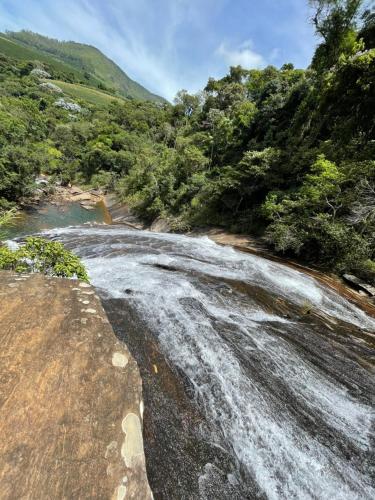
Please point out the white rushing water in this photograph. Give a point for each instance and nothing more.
(291, 425)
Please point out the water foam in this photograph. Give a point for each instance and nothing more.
(230, 350)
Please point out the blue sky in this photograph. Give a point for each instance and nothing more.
(167, 45)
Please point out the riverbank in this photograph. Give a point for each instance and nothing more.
(57, 194)
(99, 207)
(255, 246)
(121, 214)
(86, 197)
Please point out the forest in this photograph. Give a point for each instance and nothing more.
(286, 154)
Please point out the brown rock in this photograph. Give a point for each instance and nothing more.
(87, 207)
(160, 225)
(75, 190)
(70, 396)
(121, 213)
(82, 197)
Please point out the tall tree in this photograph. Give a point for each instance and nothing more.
(335, 21)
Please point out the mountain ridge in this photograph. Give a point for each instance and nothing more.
(97, 68)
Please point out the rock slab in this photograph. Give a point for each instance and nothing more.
(122, 214)
(70, 396)
(359, 285)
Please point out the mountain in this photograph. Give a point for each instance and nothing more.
(19, 52)
(93, 67)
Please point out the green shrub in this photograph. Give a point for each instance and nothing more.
(103, 180)
(366, 270)
(47, 257)
(6, 218)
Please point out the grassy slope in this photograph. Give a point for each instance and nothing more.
(93, 96)
(86, 59)
(16, 51)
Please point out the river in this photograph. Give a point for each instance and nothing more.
(258, 380)
(48, 216)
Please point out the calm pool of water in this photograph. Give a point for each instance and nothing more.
(50, 216)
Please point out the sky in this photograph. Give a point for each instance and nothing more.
(169, 45)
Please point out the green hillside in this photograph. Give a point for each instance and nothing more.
(17, 51)
(88, 94)
(88, 61)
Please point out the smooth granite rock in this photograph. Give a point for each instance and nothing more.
(70, 396)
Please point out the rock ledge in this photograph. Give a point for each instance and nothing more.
(70, 396)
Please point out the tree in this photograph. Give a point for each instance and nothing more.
(333, 17)
(367, 32)
(335, 21)
(186, 103)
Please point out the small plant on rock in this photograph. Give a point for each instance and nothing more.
(43, 256)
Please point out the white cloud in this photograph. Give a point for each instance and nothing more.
(121, 30)
(243, 55)
(165, 45)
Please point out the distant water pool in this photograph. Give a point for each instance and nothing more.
(49, 216)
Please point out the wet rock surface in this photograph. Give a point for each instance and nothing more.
(258, 378)
(181, 462)
(70, 396)
(359, 284)
(121, 213)
(160, 225)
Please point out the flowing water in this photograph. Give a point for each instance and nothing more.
(258, 380)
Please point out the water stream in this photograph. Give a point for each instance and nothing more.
(258, 380)
(48, 216)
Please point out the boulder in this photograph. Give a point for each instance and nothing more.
(87, 207)
(359, 284)
(82, 197)
(70, 396)
(160, 225)
(122, 214)
(51, 87)
(41, 181)
(69, 106)
(75, 190)
(40, 73)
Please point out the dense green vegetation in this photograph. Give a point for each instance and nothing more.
(42, 256)
(284, 153)
(38, 136)
(88, 61)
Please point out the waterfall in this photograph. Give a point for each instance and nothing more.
(276, 363)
